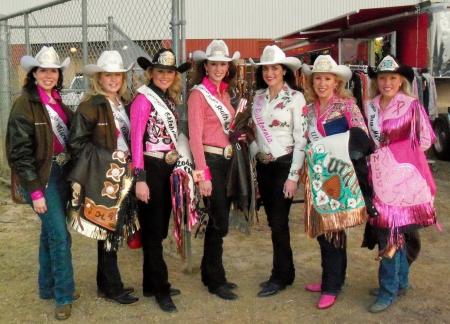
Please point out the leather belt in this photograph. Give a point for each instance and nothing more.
(227, 152)
(62, 158)
(265, 158)
(170, 156)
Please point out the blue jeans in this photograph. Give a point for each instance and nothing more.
(392, 275)
(55, 259)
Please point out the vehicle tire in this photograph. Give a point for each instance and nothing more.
(442, 146)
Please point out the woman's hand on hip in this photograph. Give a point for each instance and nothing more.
(142, 191)
(40, 206)
(290, 189)
(205, 188)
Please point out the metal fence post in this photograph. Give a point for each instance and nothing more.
(27, 34)
(5, 93)
(111, 33)
(84, 28)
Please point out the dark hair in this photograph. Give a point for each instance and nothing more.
(289, 78)
(30, 81)
(199, 73)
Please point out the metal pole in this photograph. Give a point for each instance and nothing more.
(27, 34)
(44, 6)
(183, 111)
(175, 29)
(84, 24)
(183, 121)
(5, 86)
(111, 33)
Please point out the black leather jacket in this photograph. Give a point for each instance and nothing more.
(29, 140)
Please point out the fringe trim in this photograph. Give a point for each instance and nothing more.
(241, 220)
(317, 223)
(85, 227)
(398, 216)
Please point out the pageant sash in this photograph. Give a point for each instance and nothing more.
(164, 112)
(122, 123)
(372, 120)
(219, 109)
(263, 131)
(59, 128)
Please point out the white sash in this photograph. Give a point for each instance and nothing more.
(164, 112)
(59, 128)
(372, 121)
(263, 131)
(122, 123)
(313, 132)
(222, 113)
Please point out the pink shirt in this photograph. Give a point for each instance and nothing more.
(204, 125)
(57, 146)
(140, 109)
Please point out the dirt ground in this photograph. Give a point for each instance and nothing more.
(247, 261)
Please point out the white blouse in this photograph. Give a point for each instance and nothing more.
(285, 117)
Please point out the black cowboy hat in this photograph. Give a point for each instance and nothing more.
(163, 59)
(390, 64)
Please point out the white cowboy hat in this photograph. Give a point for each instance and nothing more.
(216, 51)
(272, 55)
(45, 58)
(325, 64)
(109, 61)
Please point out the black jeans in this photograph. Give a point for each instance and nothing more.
(108, 275)
(154, 220)
(334, 264)
(271, 179)
(213, 272)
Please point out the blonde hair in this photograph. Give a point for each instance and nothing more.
(405, 88)
(174, 89)
(311, 95)
(96, 89)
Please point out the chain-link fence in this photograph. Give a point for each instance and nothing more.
(81, 30)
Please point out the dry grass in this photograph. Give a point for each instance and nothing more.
(247, 261)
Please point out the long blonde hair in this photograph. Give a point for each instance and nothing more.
(174, 89)
(341, 92)
(96, 89)
(405, 88)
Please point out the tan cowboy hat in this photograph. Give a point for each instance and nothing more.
(109, 61)
(272, 55)
(217, 50)
(163, 59)
(45, 58)
(326, 64)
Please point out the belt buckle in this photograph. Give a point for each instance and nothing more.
(264, 158)
(228, 152)
(62, 158)
(171, 157)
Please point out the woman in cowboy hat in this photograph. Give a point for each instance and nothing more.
(403, 184)
(280, 140)
(154, 144)
(210, 114)
(101, 125)
(37, 154)
(335, 197)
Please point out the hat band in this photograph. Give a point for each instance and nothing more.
(109, 66)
